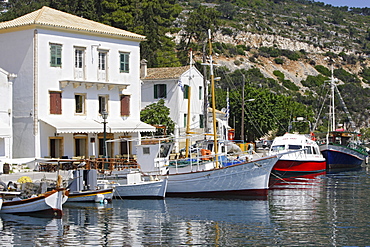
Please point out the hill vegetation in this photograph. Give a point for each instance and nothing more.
(281, 52)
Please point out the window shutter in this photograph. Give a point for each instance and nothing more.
(164, 94)
(125, 105)
(55, 103)
(156, 91)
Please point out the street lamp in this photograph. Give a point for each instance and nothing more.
(104, 114)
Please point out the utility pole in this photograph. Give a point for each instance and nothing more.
(242, 127)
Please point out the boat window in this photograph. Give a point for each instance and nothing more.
(277, 148)
(294, 147)
(308, 150)
(315, 151)
(146, 150)
(164, 151)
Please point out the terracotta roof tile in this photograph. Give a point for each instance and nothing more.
(49, 17)
(165, 73)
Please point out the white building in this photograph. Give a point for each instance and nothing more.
(71, 70)
(173, 84)
(6, 85)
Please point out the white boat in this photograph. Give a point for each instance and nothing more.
(203, 178)
(48, 204)
(206, 176)
(131, 185)
(307, 159)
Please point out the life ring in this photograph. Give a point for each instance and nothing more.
(207, 153)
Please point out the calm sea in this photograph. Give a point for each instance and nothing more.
(326, 210)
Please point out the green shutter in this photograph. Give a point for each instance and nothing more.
(155, 91)
(165, 91)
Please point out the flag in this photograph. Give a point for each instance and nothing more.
(179, 83)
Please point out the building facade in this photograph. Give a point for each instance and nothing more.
(71, 73)
(6, 111)
(179, 87)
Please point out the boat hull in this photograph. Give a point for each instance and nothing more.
(144, 190)
(299, 166)
(91, 196)
(249, 179)
(48, 204)
(341, 158)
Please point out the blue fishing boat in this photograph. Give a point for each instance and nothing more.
(341, 151)
(341, 147)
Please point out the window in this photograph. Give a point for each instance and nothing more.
(103, 103)
(79, 58)
(79, 73)
(124, 62)
(125, 105)
(55, 55)
(160, 91)
(102, 60)
(201, 121)
(200, 92)
(80, 103)
(185, 119)
(186, 91)
(308, 150)
(102, 66)
(146, 150)
(2, 147)
(55, 102)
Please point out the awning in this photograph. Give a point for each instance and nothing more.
(128, 125)
(92, 126)
(5, 130)
(75, 125)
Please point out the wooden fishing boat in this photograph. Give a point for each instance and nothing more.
(83, 187)
(205, 176)
(340, 147)
(131, 185)
(99, 195)
(47, 204)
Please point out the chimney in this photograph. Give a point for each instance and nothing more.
(143, 68)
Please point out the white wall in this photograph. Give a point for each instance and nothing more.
(5, 116)
(17, 49)
(175, 99)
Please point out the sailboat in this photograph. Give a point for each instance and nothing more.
(205, 175)
(340, 148)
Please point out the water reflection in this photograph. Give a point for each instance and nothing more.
(347, 203)
(37, 231)
(317, 210)
(172, 221)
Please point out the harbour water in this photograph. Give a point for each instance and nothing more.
(325, 210)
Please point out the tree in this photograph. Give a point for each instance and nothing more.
(227, 9)
(158, 114)
(196, 27)
(151, 18)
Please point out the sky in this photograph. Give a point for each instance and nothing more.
(349, 3)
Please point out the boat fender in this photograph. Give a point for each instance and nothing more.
(205, 152)
(99, 198)
(2, 184)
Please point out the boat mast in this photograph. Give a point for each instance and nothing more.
(188, 116)
(332, 85)
(213, 100)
